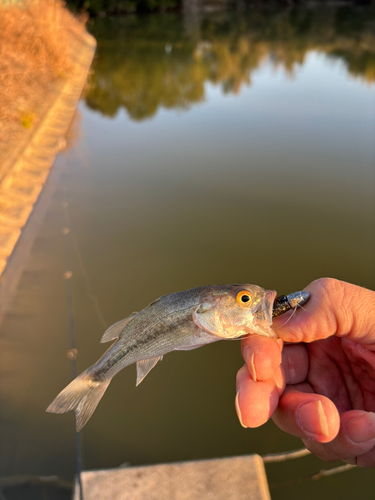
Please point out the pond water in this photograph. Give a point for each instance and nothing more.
(212, 148)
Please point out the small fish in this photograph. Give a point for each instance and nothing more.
(179, 321)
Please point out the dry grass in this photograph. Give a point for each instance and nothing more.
(34, 55)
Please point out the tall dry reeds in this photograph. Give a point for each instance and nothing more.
(34, 54)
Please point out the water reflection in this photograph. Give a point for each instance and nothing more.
(166, 62)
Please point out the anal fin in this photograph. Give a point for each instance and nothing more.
(145, 366)
(114, 331)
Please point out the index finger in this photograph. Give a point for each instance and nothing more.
(335, 308)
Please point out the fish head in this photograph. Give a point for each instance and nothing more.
(236, 310)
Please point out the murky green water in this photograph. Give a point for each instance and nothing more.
(231, 147)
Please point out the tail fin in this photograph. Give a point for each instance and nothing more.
(82, 395)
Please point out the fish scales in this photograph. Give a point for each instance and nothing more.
(137, 342)
(152, 331)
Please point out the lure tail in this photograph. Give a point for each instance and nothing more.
(82, 395)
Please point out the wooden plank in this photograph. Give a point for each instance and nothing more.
(236, 478)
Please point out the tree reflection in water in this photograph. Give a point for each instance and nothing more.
(144, 63)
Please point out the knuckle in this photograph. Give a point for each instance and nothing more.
(329, 286)
(321, 450)
(332, 290)
(339, 298)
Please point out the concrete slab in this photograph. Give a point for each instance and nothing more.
(25, 170)
(237, 478)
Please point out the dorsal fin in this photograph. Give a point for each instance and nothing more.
(114, 331)
(145, 366)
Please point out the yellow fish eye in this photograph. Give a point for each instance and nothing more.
(244, 298)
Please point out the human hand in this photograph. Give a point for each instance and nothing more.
(321, 385)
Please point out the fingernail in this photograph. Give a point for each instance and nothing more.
(249, 356)
(238, 410)
(312, 419)
(361, 429)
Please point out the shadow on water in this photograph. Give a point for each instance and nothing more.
(232, 147)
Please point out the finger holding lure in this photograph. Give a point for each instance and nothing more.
(179, 321)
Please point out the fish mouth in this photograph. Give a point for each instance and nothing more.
(263, 313)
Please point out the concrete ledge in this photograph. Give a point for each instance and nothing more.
(237, 478)
(26, 169)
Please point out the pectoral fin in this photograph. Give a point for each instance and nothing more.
(114, 331)
(145, 366)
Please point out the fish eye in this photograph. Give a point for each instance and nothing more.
(244, 298)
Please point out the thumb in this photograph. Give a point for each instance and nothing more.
(335, 308)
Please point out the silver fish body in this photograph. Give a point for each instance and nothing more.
(179, 321)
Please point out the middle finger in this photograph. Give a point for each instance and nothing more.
(256, 400)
